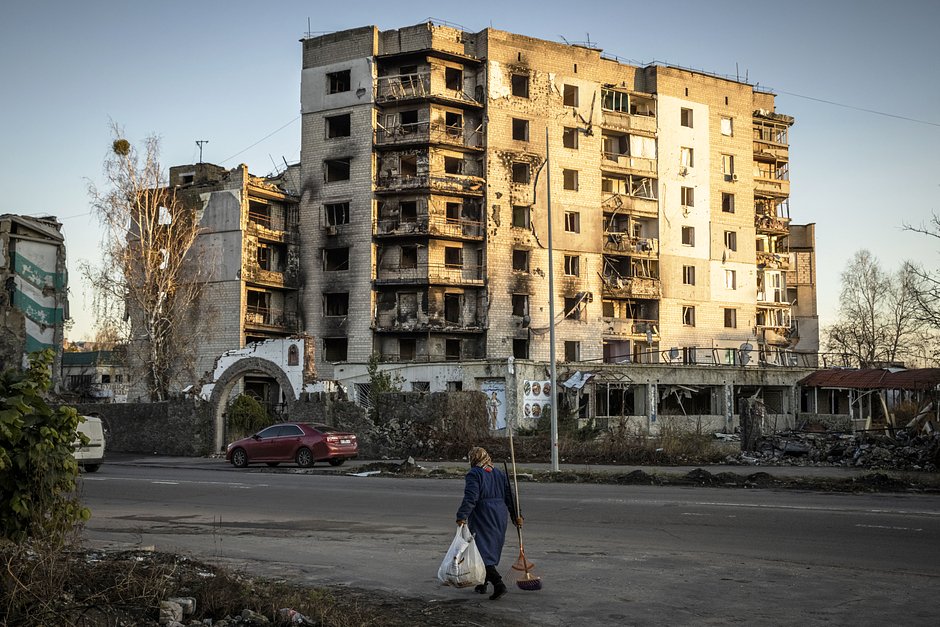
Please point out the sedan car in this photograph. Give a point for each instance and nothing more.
(298, 442)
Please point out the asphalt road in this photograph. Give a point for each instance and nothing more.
(608, 555)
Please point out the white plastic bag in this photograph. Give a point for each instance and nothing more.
(463, 565)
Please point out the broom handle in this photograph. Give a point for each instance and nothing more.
(515, 483)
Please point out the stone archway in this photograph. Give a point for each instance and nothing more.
(237, 370)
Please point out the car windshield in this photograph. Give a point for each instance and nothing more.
(325, 429)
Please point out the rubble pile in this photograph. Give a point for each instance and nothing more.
(904, 450)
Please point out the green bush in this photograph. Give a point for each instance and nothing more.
(246, 416)
(37, 466)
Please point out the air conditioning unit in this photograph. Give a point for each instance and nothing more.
(734, 178)
(683, 170)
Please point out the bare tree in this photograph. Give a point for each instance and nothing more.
(148, 281)
(927, 282)
(878, 314)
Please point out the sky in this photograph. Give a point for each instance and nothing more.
(229, 73)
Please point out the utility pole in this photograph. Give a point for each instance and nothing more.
(200, 142)
(551, 309)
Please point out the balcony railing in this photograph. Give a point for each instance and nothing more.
(631, 327)
(396, 324)
(622, 121)
(631, 287)
(435, 225)
(266, 317)
(434, 357)
(444, 183)
(435, 273)
(425, 132)
(773, 261)
(771, 224)
(626, 162)
(620, 242)
(252, 273)
(416, 86)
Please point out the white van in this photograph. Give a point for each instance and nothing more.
(91, 455)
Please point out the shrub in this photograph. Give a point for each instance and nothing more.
(37, 466)
(246, 416)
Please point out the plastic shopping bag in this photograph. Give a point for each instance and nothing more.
(463, 565)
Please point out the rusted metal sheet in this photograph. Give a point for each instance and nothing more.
(874, 379)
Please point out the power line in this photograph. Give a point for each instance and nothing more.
(839, 104)
(272, 133)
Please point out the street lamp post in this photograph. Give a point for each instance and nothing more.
(551, 309)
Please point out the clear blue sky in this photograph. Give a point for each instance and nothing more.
(229, 72)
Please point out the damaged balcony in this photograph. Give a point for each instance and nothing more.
(617, 242)
(273, 222)
(626, 154)
(773, 261)
(636, 328)
(430, 273)
(258, 318)
(448, 132)
(430, 171)
(772, 216)
(628, 111)
(771, 136)
(441, 84)
(630, 194)
(618, 286)
(774, 325)
(434, 225)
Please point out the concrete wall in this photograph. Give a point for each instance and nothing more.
(181, 428)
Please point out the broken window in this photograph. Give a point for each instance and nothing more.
(453, 165)
(688, 196)
(573, 308)
(520, 172)
(520, 349)
(572, 351)
(338, 126)
(727, 202)
(259, 213)
(520, 216)
(408, 120)
(520, 130)
(334, 348)
(572, 265)
(454, 123)
(408, 210)
(336, 304)
(264, 256)
(335, 259)
(685, 116)
(338, 82)
(688, 275)
(727, 127)
(731, 279)
(614, 101)
(570, 95)
(336, 170)
(520, 260)
(452, 210)
(615, 145)
(520, 305)
(336, 213)
(408, 258)
(685, 157)
(731, 240)
(727, 167)
(570, 179)
(688, 236)
(407, 348)
(569, 137)
(408, 166)
(420, 386)
(520, 85)
(688, 315)
(452, 350)
(453, 78)
(731, 318)
(572, 221)
(452, 308)
(453, 256)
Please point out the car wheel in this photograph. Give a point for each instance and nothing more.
(337, 462)
(305, 458)
(91, 467)
(273, 464)
(239, 458)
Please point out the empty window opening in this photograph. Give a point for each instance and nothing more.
(727, 166)
(731, 240)
(453, 256)
(727, 125)
(520, 216)
(338, 82)
(408, 120)
(338, 126)
(572, 221)
(569, 137)
(336, 304)
(731, 318)
(570, 95)
(453, 211)
(685, 116)
(688, 197)
(420, 386)
(334, 348)
(452, 350)
(520, 305)
(686, 157)
(731, 279)
(520, 85)
(520, 130)
(408, 166)
(688, 236)
(572, 265)
(408, 210)
(453, 165)
(454, 123)
(570, 179)
(409, 257)
(727, 202)
(335, 259)
(688, 316)
(452, 308)
(688, 275)
(264, 256)
(573, 308)
(453, 78)
(336, 213)
(520, 172)
(572, 351)
(336, 170)
(520, 260)
(407, 349)
(520, 349)
(615, 145)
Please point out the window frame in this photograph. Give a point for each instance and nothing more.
(688, 315)
(572, 221)
(690, 240)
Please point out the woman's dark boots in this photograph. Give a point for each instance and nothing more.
(499, 588)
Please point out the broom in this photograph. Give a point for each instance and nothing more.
(526, 581)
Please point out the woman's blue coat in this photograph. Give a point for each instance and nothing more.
(487, 502)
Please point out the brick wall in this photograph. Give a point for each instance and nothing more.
(180, 428)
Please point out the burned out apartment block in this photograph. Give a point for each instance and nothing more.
(425, 191)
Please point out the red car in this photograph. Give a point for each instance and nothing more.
(303, 443)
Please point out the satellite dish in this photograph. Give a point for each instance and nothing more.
(746, 349)
(673, 353)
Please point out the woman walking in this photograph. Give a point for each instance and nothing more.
(486, 505)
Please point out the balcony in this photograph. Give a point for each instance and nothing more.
(623, 327)
(460, 184)
(260, 225)
(623, 121)
(631, 287)
(406, 87)
(645, 206)
(773, 261)
(252, 273)
(424, 324)
(428, 133)
(772, 225)
(435, 226)
(267, 319)
(465, 353)
(772, 179)
(621, 243)
(430, 273)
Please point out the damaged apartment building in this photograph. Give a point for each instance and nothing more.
(425, 197)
